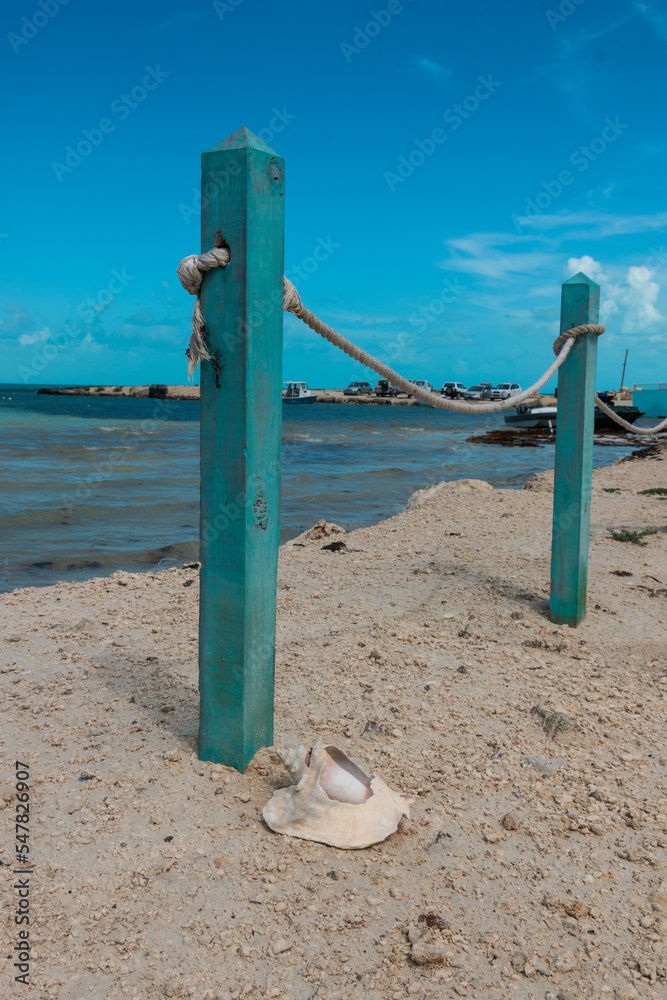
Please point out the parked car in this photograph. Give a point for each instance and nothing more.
(384, 388)
(453, 390)
(504, 390)
(478, 391)
(358, 389)
(422, 383)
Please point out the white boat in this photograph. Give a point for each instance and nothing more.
(297, 392)
(537, 416)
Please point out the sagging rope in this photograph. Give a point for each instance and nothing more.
(292, 303)
(191, 271)
(623, 423)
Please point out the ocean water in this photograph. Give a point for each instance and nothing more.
(88, 486)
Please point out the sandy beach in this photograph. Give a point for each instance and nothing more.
(423, 647)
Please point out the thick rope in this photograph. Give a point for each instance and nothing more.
(191, 271)
(292, 303)
(624, 423)
(574, 331)
(594, 328)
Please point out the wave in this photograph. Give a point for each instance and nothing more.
(109, 447)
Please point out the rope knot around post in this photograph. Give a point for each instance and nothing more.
(191, 273)
(577, 331)
(291, 298)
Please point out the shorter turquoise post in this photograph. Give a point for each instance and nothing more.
(580, 303)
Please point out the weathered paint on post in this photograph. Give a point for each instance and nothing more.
(241, 404)
(580, 303)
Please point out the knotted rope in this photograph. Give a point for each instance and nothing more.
(191, 271)
(574, 332)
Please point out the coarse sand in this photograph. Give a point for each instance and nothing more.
(533, 865)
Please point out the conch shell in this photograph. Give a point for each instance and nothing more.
(334, 801)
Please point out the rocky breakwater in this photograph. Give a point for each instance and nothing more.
(139, 391)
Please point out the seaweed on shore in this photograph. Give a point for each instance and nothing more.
(521, 438)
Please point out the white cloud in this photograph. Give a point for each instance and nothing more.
(608, 307)
(34, 338)
(590, 267)
(634, 300)
(630, 299)
(481, 253)
(600, 224)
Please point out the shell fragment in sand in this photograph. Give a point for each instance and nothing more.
(333, 801)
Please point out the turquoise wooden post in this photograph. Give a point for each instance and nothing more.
(580, 303)
(241, 403)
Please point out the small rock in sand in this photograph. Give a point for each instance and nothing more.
(555, 723)
(510, 821)
(566, 962)
(425, 952)
(519, 959)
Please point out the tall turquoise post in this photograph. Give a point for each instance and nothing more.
(241, 402)
(580, 303)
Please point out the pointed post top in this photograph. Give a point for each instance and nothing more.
(243, 138)
(581, 279)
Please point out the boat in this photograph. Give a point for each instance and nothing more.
(536, 416)
(546, 416)
(629, 413)
(298, 392)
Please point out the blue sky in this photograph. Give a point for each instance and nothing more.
(458, 161)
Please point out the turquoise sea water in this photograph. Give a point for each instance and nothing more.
(88, 486)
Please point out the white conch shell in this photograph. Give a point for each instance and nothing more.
(334, 801)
